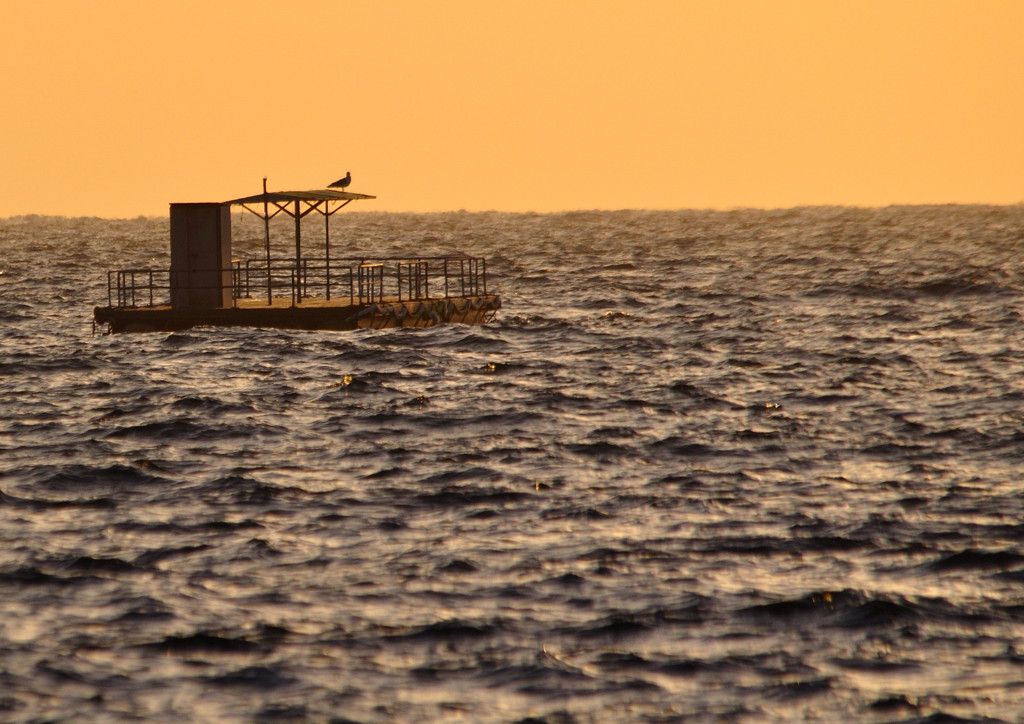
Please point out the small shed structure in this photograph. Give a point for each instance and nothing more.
(200, 256)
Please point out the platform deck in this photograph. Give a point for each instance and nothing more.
(313, 313)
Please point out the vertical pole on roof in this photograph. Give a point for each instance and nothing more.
(266, 234)
(297, 292)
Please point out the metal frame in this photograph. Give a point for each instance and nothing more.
(319, 201)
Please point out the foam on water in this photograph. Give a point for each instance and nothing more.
(747, 465)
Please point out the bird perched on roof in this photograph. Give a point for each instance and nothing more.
(342, 182)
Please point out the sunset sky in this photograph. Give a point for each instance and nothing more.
(116, 108)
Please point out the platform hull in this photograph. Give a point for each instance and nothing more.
(311, 314)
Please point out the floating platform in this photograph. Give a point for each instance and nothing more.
(206, 286)
(311, 314)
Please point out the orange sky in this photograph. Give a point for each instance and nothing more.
(118, 107)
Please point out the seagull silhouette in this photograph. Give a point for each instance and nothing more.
(342, 182)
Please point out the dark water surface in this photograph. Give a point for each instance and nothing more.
(706, 466)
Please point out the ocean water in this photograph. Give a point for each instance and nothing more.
(705, 466)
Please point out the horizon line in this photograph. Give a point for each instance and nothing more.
(723, 209)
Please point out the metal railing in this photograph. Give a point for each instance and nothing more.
(355, 281)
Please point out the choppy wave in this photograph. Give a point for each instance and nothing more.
(705, 466)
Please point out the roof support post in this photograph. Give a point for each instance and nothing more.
(327, 247)
(297, 292)
(328, 212)
(266, 233)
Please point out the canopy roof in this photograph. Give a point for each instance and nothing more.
(273, 197)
